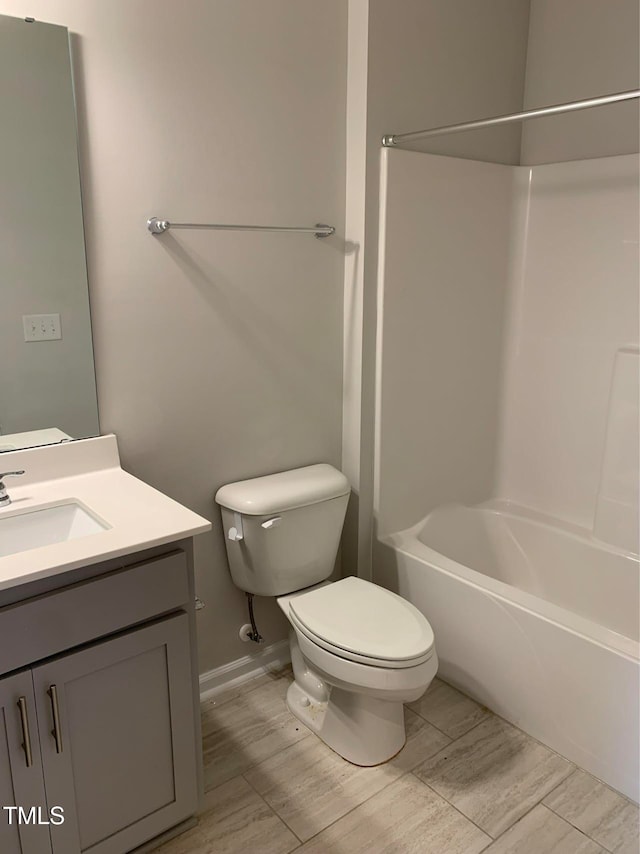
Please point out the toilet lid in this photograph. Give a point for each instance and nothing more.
(358, 617)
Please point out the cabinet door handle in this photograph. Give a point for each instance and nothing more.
(56, 732)
(26, 737)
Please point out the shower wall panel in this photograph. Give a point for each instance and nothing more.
(573, 309)
(445, 237)
(508, 340)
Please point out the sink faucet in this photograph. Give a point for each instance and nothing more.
(5, 499)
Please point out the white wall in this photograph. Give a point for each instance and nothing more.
(219, 355)
(447, 230)
(428, 63)
(580, 49)
(574, 308)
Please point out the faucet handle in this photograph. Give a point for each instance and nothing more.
(10, 474)
(5, 499)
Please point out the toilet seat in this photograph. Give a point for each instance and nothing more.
(359, 621)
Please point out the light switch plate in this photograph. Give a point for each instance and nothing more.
(41, 327)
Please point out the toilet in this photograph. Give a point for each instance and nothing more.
(358, 651)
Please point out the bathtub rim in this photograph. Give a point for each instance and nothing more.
(537, 518)
(408, 544)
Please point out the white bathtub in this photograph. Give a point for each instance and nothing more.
(535, 619)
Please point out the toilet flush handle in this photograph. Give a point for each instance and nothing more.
(272, 523)
(236, 533)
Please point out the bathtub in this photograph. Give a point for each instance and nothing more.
(536, 620)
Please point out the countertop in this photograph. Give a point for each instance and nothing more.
(88, 472)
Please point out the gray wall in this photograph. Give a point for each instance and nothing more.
(580, 49)
(444, 61)
(219, 355)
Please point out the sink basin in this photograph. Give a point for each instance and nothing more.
(23, 531)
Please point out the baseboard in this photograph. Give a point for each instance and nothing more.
(242, 669)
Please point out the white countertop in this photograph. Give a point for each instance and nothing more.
(88, 472)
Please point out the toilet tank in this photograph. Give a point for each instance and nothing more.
(282, 531)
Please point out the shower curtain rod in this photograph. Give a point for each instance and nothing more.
(389, 140)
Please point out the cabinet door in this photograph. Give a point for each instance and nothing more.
(21, 780)
(118, 743)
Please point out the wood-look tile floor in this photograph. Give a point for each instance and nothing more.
(466, 781)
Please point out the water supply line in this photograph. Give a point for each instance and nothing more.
(254, 635)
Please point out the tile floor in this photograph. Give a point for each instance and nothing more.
(466, 781)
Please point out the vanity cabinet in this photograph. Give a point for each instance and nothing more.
(107, 729)
(21, 779)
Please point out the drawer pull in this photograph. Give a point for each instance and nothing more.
(26, 737)
(55, 712)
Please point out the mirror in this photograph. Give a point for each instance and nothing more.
(47, 378)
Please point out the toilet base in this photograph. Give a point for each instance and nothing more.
(362, 729)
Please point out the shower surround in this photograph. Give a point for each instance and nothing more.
(507, 437)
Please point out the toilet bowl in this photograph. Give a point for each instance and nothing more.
(358, 651)
(355, 665)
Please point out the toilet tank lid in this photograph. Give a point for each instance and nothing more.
(285, 490)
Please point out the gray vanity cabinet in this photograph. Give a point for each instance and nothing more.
(102, 674)
(21, 780)
(117, 735)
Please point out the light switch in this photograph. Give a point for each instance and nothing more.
(41, 327)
